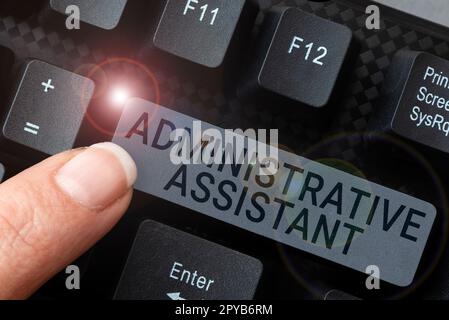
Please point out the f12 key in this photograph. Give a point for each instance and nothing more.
(300, 56)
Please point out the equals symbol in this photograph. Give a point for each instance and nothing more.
(31, 128)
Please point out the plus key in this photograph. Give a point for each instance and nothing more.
(47, 109)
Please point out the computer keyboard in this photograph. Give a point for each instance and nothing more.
(340, 95)
(287, 206)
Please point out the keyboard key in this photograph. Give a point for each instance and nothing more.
(104, 14)
(301, 56)
(435, 11)
(167, 264)
(415, 101)
(48, 107)
(292, 208)
(198, 30)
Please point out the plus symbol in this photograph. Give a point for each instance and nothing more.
(48, 85)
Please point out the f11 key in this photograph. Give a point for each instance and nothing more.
(415, 100)
(202, 31)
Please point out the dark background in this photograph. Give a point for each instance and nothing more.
(339, 133)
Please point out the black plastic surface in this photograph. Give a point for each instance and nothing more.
(104, 14)
(304, 57)
(211, 96)
(47, 108)
(167, 263)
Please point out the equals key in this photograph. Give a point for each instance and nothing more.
(46, 110)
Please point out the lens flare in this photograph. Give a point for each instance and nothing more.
(119, 95)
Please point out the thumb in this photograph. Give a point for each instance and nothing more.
(53, 212)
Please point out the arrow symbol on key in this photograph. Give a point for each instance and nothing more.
(175, 296)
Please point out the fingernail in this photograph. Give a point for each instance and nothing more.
(98, 176)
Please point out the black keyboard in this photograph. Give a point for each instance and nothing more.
(364, 105)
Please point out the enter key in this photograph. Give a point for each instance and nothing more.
(168, 264)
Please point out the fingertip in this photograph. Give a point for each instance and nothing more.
(98, 176)
(128, 164)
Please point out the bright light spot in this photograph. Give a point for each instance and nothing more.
(119, 95)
